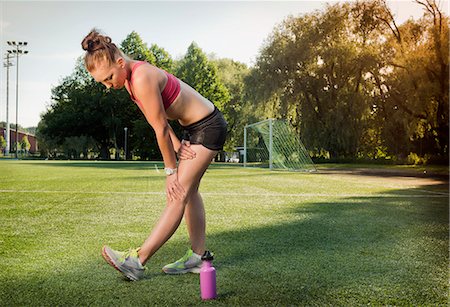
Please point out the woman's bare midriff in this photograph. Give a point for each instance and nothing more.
(189, 107)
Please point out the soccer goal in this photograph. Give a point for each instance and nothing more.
(273, 143)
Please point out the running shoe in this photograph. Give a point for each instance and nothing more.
(126, 262)
(190, 262)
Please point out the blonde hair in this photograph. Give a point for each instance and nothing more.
(99, 47)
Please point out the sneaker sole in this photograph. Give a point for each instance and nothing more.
(111, 263)
(180, 272)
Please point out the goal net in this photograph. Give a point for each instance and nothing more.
(273, 143)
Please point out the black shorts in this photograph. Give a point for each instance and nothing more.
(210, 131)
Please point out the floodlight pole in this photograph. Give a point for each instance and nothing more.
(126, 132)
(7, 64)
(17, 51)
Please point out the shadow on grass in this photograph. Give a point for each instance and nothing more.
(357, 250)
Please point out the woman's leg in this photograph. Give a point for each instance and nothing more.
(190, 173)
(194, 215)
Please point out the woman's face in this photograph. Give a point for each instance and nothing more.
(110, 75)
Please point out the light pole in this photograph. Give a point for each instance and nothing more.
(18, 51)
(7, 64)
(126, 132)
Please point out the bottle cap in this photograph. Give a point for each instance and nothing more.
(208, 256)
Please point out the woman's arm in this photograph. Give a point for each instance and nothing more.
(146, 89)
(175, 141)
(183, 148)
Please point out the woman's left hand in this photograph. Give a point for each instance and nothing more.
(185, 152)
(174, 190)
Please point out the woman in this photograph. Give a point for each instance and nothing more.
(161, 96)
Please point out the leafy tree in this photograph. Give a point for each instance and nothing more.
(77, 110)
(25, 143)
(134, 47)
(163, 59)
(82, 107)
(232, 74)
(355, 83)
(413, 84)
(2, 143)
(84, 110)
(310, 71)
(196, 70)
(48, 146)
(74, 146)
(143, 136)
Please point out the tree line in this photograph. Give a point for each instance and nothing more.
(353, 83)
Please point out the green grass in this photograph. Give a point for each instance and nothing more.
(279, 238)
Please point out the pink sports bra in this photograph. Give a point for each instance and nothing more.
(169, 93)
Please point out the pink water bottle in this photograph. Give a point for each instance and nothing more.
(208, 277)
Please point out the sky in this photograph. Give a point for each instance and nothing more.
(54, 31)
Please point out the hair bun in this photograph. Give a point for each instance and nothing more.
(99, 47)
(95, 41)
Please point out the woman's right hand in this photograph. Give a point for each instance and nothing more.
(185, 152)
(174, 190)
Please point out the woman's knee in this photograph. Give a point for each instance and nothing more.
(189, 193)
(182, 202)
(193, 196)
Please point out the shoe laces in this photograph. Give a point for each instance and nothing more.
(186, 256)
(131, 252)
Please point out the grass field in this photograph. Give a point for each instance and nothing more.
(329, 238)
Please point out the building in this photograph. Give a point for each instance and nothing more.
(12, 133)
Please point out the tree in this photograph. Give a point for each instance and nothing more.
(163, 59)
(134, 47)
(311, 72)
(356, 84)
(2, 143)
(74, 146)
(79, 108)
(413, 84)
(25, 143)
(48, 146)
(82, 107)
(196, 70)
(232, 74)
(141, 140)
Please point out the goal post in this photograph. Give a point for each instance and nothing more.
(274, 143)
